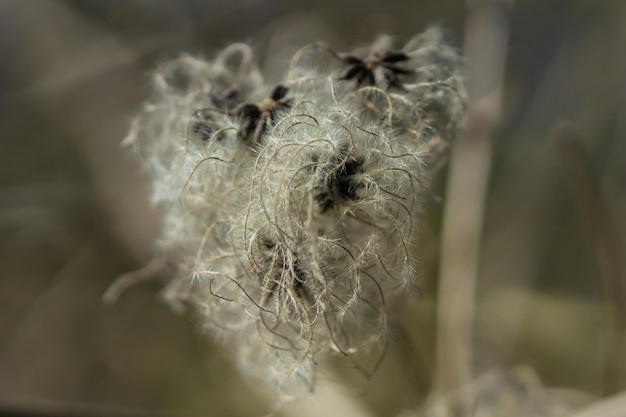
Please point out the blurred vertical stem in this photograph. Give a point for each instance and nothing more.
(605, 244)
(486, 39)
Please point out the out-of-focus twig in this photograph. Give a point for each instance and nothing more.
(604, 242)
(148, 272)
(486, 45)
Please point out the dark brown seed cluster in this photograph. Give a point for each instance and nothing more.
(379, 69)
(258, 118)
(338, 179)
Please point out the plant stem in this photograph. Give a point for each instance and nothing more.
(486, 44)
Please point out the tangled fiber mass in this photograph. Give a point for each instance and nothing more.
(291, 211)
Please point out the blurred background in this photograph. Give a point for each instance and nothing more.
(74, 213)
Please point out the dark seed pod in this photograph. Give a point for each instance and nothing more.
(338, 180)
(256, 119)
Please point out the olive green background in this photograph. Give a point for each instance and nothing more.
(74, 213)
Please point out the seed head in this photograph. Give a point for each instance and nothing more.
(292, 211)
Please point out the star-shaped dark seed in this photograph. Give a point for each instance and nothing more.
(338, 180)
(227, 100)
(279, 270)
(202, 130)
(257, 118)
(379, 70)
(203, 125)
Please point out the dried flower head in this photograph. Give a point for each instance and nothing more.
(292, 212)
(257, 118)
(379, 69)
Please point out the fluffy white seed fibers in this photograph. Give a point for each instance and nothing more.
(292, 211)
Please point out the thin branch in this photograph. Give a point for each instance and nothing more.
(486, 45)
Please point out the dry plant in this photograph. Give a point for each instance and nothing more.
(300, 200)
(291, 212)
